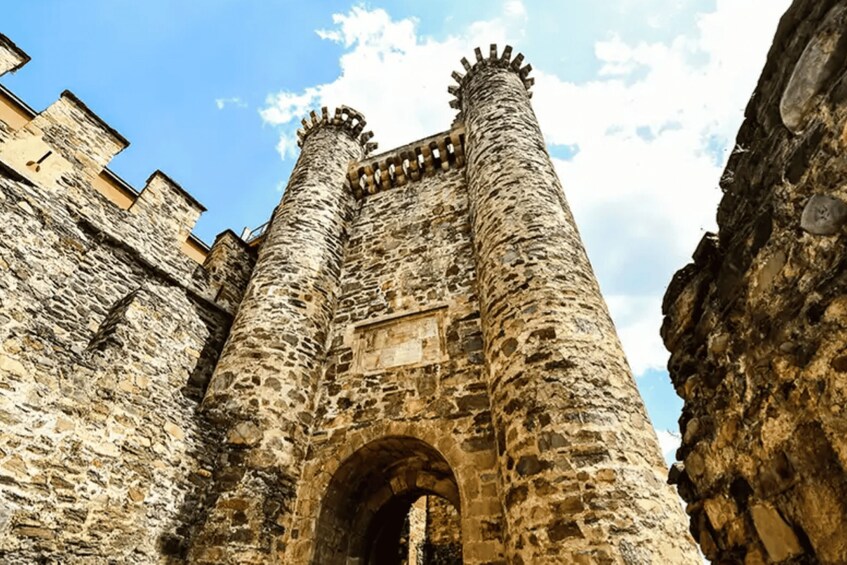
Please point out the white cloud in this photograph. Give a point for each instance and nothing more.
(222, 103)
(638, 319)
(669, 442)
(287, 145)
(284, 107)
(652, 130)
(395, 77)
(514, 9)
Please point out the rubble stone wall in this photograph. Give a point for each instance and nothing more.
(443, 545)
(263, 389)
(757, 324)
(108, 336)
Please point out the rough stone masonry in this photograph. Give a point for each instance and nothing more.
(420, 323)
(757, 324)
(108, 337)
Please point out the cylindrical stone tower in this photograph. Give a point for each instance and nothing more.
(583, 480)
(262, 390)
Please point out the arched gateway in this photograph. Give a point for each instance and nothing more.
(425, 321)
(364, 511)
(358, 487)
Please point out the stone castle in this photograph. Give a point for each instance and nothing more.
(412, 363)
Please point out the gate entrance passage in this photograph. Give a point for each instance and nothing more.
(364, 518)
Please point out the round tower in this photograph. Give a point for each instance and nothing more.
(262, 389)
(582, 476)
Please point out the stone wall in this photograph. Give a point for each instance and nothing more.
(757, 324)
(435, 533)
(263, 390)
(443, 544)
(108, 336)
(408, 293)
(417, 533)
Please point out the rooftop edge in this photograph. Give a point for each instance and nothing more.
(25, 58)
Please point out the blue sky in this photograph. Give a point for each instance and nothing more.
(639, 101)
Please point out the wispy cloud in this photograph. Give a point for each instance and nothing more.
(514, 9)
(669, 442)
(222, 103)
(379, 52)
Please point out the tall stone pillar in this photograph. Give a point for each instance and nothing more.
(262, 390)
(583, 480)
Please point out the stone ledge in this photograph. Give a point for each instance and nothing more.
(120, 139)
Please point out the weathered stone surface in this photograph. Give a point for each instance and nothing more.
(779, 539)
(408, 280)
(108, 335)
(549, 347)
(271, 365)
(824, 55)
(822, 215)
(443, 540)
(757, 326)
(11, 56)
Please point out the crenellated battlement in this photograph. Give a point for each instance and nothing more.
(409, 163)
(344, 118)
(69, 139)
(78, 134)
(503, 61)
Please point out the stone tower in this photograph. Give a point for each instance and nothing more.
(425, 322)
(264, 386)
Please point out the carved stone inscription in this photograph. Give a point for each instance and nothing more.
(415, 339)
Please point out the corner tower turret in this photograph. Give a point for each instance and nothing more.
(262, 389)
(581, 471)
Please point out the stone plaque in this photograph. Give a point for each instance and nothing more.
(414, 339)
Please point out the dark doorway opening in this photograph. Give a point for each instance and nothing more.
(371, 511)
